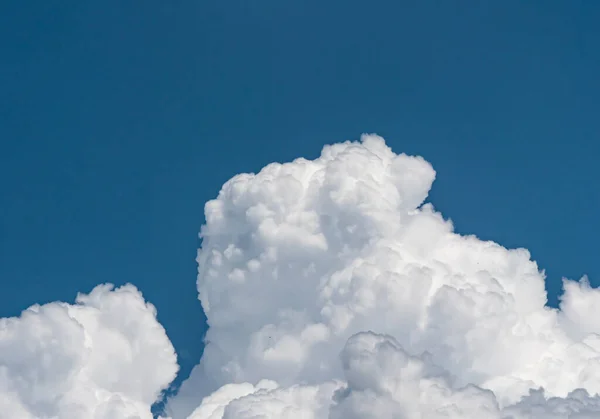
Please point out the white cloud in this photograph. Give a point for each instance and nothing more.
(105, 357)
(301, 257)
(331, 292)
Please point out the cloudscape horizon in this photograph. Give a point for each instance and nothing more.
(332, 290)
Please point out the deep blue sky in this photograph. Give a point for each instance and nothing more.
(118, 120)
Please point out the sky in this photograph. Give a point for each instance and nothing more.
(119, 121)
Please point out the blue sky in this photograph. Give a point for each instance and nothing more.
(118, 121)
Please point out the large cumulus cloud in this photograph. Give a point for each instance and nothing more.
(331, 292)
(299, 260)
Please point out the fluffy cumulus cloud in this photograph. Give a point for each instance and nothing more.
(331, 279)
(105, 357)
(331, 292)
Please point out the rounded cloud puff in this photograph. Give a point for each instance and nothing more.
(105, 357)
(301, 259)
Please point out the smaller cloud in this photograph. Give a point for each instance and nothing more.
(104, 357)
